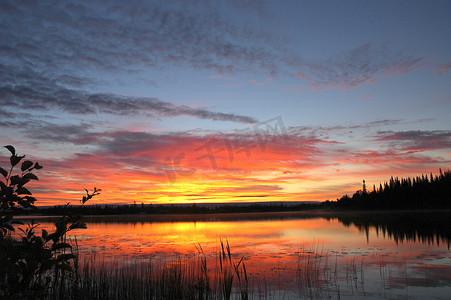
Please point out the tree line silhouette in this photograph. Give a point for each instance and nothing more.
(421, 192)
(145, 209)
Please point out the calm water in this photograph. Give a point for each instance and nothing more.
(404, 255)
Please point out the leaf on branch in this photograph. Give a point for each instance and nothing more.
(11, 149)
(30, 176)
(61, 246)
(65, 257)
(37, 166)
(89, 196)
(15, 179)
(23, 191)
(23, 181)
(52, 236)
(14, 159)
(3, 172)
(26, 201)
(26, 165)
(30, 232)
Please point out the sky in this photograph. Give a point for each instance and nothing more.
(224, 101)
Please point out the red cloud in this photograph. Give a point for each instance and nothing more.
(238, 166)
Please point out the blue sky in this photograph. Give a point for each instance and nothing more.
(363, 89)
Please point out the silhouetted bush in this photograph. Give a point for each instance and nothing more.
(30, 264)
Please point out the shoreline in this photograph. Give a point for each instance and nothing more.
(232, 216)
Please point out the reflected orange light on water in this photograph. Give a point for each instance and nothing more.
(273, 249)
(269, 247)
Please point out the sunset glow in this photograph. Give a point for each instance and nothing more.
(230, 102)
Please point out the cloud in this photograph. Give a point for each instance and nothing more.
(358, 66)
(113, 36)
(326, 132)
(258, 187)
(293, 88)
(216, 153)
(69, 42)
(416, 140)
(140, 164)
(404, 65)
(51, 53)
(388, 158)
(442, 69)
(76, 134)
(251, 6)
(127, 164)
(229, 157)
(26, 89)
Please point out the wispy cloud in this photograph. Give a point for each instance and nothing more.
(26, 89)
(326, 132)
(110, 35)
(417, 140)
(358, 66)
(50, 51)
(442, 68)
(388, 158)
(75, 134)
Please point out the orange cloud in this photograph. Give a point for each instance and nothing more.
(256, 164)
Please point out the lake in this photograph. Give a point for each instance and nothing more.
(292, 255)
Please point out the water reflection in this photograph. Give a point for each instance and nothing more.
(318, 255)
(425, 227)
